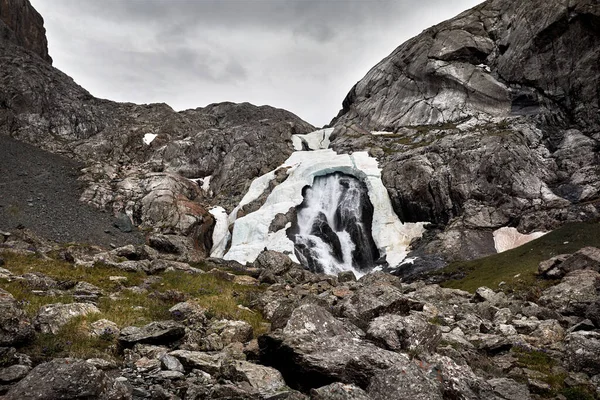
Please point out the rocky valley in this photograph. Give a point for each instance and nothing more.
(439, 239)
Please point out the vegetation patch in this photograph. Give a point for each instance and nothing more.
(136, 301)
(517, 268)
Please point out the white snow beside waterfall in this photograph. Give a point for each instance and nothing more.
(251, 232)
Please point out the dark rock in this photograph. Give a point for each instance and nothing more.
(582, 349)
(315, 349)
(338, 391)
(509, 389)
(265, 380)
(159, 332)
(15, 326)
(577, 290)
(586, 258)
(346, 276)
(22, 24)
(123, 223)
(208, 363)
(61, 378)
(13, 373)
(593, 313)
(39, 281)
(273, 262)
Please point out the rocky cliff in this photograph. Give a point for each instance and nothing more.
(23, 25)
(489, 119)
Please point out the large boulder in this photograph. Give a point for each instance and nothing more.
(576, 291)
(62, 378)
(412, 333)
(315, 349)
(582, 349)
(158, 332)
(371, 301)
(50, 318)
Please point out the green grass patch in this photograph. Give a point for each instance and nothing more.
(522, 261)
(72, 340)
(125, 306)
(61, 270)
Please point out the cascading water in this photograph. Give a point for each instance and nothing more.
(333, 229)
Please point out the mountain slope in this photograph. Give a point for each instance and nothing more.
(487, 120)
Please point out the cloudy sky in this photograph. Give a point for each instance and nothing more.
(301, 55)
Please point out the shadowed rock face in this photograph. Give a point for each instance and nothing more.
(23, 25)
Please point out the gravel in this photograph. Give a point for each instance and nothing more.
(40, 191)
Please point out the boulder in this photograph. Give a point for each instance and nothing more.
(371, 301)
(264, 380)
(410, 333)
(62, 378)
(104, 328)
(403, 381)
(339, 391)
(13, 373)
(509, 389)
(231, 331)
(189, 312)
(159, 332)
(209, 363)
(171, 363)
(576, 291)
(50, 318)
(15, 326)
(315, 349)
(581, 353)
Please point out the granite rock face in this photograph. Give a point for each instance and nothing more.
(499, 58)
(487, 120)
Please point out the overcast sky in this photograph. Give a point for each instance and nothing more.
(301, 55)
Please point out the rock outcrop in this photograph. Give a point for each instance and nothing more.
(487, 120)
(23, 25)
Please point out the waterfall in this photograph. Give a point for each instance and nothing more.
(333, 229)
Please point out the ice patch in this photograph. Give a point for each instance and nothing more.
(221, 233)
(251, 232)
(317, 140)
(148, 138)
(509, 238)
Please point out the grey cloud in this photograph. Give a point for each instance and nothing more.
(303, 55)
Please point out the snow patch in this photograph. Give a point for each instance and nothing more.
(221, 233)
(251, 232)
(508, 238)
(317, 140)
(148, 138)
